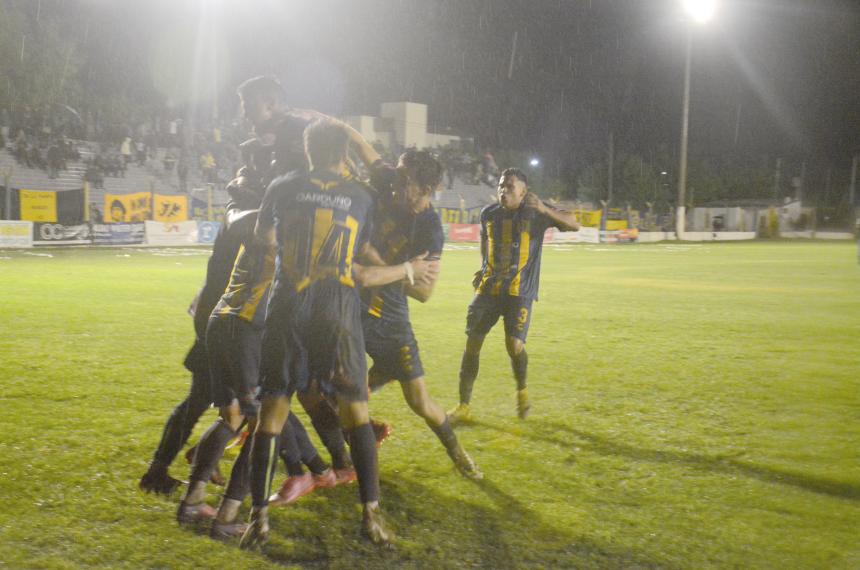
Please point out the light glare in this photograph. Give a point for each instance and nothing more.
(700, 10)
(534, 162)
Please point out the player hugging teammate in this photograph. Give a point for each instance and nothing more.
(321, 274)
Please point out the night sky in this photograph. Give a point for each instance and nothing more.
(770, 77)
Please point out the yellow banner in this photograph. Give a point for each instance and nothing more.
(589, 218)
(616, 224)
(170, 208)
(127, 207)
(38, 206)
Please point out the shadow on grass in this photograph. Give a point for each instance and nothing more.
(548, 431)
(433, 531)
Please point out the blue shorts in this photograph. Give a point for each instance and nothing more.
(485, 310)
(394, 350)
(233, 346)
(315, 336)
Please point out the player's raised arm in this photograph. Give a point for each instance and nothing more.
(563, 220)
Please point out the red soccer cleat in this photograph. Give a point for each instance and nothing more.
(346, 475)
(381, 430)
(325, 480)
(293, 489)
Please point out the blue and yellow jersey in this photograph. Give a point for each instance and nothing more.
(321, 220)
(248, 289)
(399, 235)
(511, 263)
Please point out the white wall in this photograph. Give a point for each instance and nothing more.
(410, 122)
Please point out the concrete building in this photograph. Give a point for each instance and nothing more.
(401, 125)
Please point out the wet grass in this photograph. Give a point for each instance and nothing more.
(693, 406)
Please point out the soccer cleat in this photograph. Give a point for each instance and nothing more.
(523, 403)
(325, 480)
(464, 464)
(227, 531)
(460, 415)
(293, 489)
(158, 481)
(381, 431)
(373, 527)
(192, 514)
(346, 475)
(257, 533)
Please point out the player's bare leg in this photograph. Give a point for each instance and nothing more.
(355, 419)
(468, 373)
(419, 400)
(519, 364)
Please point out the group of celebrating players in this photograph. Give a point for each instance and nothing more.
(310, 272)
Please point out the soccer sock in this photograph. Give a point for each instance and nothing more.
(362, 446)
(317, 465)
(210, 449)
(264, 454)
(445, 434)
(290, 451)
(240, 477)
(306, 448)
(327, 424)
(468, 373)
(177, 429)
(520, 365)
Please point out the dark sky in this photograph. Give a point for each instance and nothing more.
(770, 77)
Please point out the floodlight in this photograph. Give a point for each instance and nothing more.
(700, 10)
(534, 162)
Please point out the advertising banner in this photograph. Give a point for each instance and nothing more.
(200, 210)
(464, 232)
(119, 234)
(171, 233)
(169, 208)
(38, 206)
(60, 234)
(127, 207)
(206, 231)
(16, 234)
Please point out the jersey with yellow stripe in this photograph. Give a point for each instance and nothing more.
(511, 263)
(321, 219)
(248, 289)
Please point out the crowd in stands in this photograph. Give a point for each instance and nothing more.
(182, 157)
(49, 138)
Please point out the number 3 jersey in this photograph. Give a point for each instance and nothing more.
(321, 219)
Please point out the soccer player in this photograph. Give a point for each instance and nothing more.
(276, 150)
(511, 242)
(405, 225)
(319, 222)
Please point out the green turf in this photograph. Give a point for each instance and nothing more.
(693, 406)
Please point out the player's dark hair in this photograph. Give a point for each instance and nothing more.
(326, 143)
(424, 169)
(263, 88)
(117, 204)
(515, 172)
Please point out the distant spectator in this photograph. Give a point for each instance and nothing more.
(207, 167)
(125, 150)
(55, 160)
(182, 173)
(169, 162)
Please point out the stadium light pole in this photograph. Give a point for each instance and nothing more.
(697, 12)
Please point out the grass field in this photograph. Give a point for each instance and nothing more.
(693, 406)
